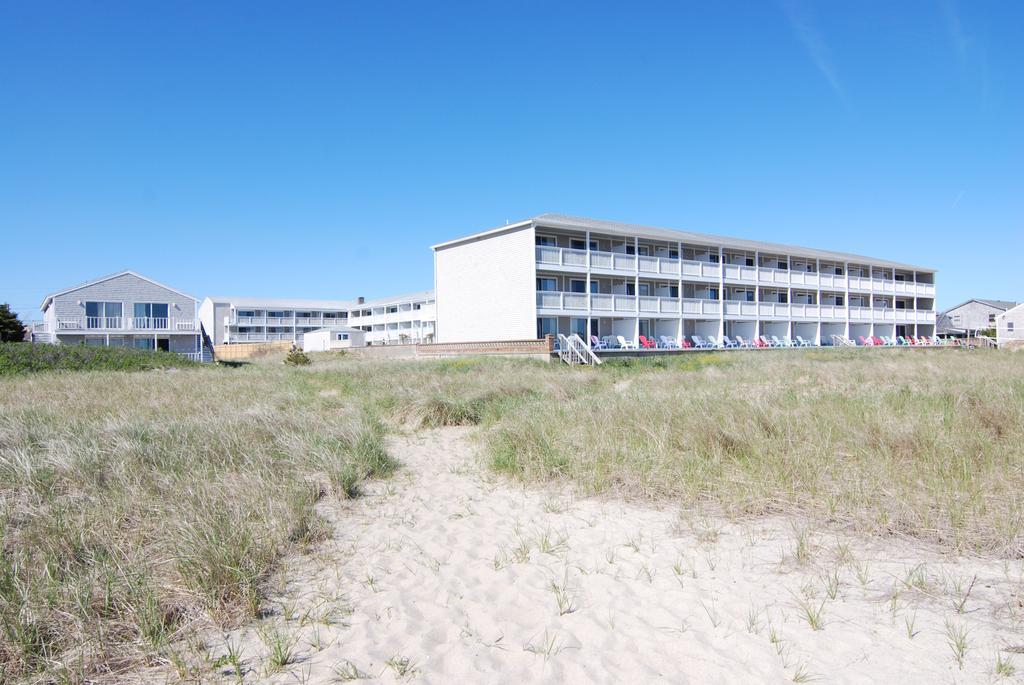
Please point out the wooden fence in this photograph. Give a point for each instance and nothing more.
(234, 351)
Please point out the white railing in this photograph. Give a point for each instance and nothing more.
(740, 272)
(132, 323)
(740, 308)
(773, 309)
(573, 351)
(689, 268)
(698, 306)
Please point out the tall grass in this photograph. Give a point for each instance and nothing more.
(136, 508)
(924, 444)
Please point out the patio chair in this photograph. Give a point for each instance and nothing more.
(668, 343)
(610, 343)
(597, 344)
(698, 342)
(625, 344)
(765, 342)
(729, 343)
(687, 345)
(647, 344)
(802, 342)
(776, 342)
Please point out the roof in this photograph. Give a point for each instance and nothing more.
(284, 303)
(995, 304)
(1010, 310)
(617, 228)
(127, 272)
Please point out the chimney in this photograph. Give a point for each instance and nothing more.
(360, 300)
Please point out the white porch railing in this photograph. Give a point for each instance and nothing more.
(131, 323)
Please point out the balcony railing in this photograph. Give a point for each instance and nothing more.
(645, 265)
(608, 304)
(131, 323)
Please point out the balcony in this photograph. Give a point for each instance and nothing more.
(106, 324)
(618, 263)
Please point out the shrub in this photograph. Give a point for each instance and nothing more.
(297, 357)
(21, 358)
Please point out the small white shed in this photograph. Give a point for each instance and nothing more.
(333, 338)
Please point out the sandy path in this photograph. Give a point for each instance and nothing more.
(471, 579)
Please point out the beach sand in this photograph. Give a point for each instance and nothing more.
(448, 574)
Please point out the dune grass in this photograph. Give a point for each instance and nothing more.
(138, 509)
(928, 444)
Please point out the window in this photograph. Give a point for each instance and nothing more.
(595, 287)
(631, 288)
(547, 326)
(749, 261)
(673, 254)
(577, 286)
(547, 284)
(150, 314)
(579, 327)
(547, 241)
(991, 318)
(392, 310)
(630, 249)
(416, 307)
(241, 312)
(578, 244)
(144, 344)
(645, 289)
(713, 257)
(1009, 327)
(102, 314)
(673, 291)
(342, 336)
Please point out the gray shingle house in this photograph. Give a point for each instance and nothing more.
(971, 316)
(124, 309)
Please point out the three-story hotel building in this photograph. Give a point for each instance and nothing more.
(560, 274)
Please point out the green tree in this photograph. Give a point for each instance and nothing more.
(11, 327)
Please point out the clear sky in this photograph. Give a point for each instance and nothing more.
(318, 149)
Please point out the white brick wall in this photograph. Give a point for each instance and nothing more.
(486, 288)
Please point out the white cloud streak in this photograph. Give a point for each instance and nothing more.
(806, 30)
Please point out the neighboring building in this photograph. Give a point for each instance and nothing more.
(124, 309)
(393, 320)
(1010, 328)
(972, 316)
(409, 318)
(336, 338)
(561, 274)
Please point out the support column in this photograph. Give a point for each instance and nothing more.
(636, 291)
(679, 280)
(590, 331)
(817, 300)
(757, 295)
(846, 279)
(721, 294)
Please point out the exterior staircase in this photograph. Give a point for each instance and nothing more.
(574, 352)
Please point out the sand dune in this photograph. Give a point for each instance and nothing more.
(445, 574)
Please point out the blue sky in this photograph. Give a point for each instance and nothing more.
(318, 149)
